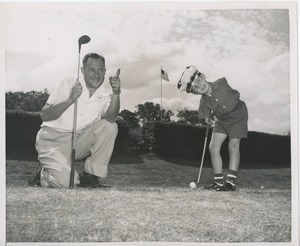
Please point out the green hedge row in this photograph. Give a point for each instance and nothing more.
(22, 128)
(168, 139)
(186, 142)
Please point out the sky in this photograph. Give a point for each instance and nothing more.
(249, 46)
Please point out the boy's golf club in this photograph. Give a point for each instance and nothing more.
(192, 184)
(82, 40)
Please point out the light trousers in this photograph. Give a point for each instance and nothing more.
(96, 142)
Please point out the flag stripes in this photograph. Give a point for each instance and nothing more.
(164, 75)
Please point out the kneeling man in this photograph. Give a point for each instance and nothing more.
(96, 129)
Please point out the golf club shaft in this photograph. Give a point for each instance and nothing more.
(73, 166)
(82, 40)
(203, 154)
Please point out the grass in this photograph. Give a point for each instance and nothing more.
(150, 201)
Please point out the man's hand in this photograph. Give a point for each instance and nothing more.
(114, 107)
(115, 83)
(75, 91)
(54, 111)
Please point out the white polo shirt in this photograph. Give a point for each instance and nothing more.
(89, 109)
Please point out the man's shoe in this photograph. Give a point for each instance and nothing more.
(213, 186)
(35, 179)
(228, 186)
(91, 181)
(85, 180)
(100, 184)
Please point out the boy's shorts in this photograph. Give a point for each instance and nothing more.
(235, 124)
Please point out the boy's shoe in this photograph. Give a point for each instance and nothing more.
(35, 179)
(228, 186)
(213, 186)
(91, 181)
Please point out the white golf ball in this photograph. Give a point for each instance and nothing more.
(193, 185)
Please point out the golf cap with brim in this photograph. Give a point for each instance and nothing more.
(187, 78)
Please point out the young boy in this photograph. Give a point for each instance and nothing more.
(221, 106)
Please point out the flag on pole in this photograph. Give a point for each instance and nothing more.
(164, 75)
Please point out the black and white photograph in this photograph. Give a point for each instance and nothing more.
(149, 123)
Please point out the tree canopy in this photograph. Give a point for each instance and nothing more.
(151, 112)
(130, 118)
(186, 116)
(32, 101)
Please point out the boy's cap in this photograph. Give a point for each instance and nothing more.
(188, 76)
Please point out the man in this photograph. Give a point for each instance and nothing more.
(96, 129)
(221, 106)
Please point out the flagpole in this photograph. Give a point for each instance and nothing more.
(160, 94)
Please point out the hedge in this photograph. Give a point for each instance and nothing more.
(22, 128)
(186, 142)
(169, 139)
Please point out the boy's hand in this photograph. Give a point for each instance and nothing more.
(211, 121)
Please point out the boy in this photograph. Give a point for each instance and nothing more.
(221, 107)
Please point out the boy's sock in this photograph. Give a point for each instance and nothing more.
(231, 177)
(218, 182)
(229, 182)
(218, 178)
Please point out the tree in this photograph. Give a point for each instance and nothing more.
(189, 117)
(151, 112)
(32, 101)
(130, 118)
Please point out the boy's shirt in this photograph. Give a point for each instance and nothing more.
(222, 102)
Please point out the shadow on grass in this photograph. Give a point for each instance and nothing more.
(134, 156)
(207, 163)
(127, 157)
(183, 161)
(118, 156)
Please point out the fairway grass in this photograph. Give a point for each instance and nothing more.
(150, 202)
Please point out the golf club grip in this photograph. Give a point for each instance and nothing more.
(74, 124)
(207, 130)
(78, 67)
(72, 174)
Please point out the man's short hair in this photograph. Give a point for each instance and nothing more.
(94, 56)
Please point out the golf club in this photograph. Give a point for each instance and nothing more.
(192, 184)
(82, 40)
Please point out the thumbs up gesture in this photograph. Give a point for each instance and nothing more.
(115, 83)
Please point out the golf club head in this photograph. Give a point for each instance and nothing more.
(83, 40)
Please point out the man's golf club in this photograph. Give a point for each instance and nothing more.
(82, 40)
(192, 184)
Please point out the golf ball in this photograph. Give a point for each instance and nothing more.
(193, 185)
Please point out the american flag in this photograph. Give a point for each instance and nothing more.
(164, 75)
